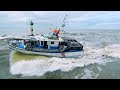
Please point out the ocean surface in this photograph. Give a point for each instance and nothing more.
(101, 59)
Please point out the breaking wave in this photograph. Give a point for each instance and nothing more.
(39, 67)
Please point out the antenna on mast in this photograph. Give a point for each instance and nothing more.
(50, 28)
(64, 22)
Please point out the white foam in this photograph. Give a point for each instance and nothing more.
(99, 68)
(113, 50)
(89, 74)
(40, 67)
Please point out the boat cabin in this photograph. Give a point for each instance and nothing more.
(37, 43)
(48, 45)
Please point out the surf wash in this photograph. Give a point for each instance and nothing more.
(46, 44)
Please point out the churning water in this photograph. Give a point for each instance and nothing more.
(101, 59)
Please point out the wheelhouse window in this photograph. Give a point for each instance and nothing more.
(41, 42)
(75, 41)
(52, 42)
(38, 42)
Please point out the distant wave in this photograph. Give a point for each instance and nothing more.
(5, 37)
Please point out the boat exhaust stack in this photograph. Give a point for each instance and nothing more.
(31, 26)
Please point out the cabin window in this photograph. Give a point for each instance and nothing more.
(32, 43)
(65, 43)
(38, 42)
(75, 41)
(41, 42)
(52, 42)
(62, 43)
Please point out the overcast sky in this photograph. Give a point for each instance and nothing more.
(75, 20)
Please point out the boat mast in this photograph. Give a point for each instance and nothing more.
(31, 27)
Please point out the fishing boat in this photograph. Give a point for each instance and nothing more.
(46, 44)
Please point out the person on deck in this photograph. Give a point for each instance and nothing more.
(56, 32)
